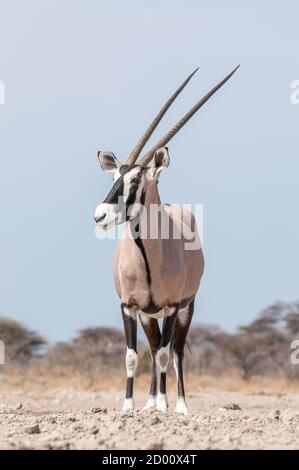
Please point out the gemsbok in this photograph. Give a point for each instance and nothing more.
(156, 274)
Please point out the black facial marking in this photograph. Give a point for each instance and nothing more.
(116, 191)
(124, 169)
(132, 195)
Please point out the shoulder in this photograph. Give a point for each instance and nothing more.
(179, 212)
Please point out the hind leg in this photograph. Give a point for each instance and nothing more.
(153, 334)
(181, 330)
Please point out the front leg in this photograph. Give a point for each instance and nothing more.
(130, 326)
(152, 331)
(163, 358)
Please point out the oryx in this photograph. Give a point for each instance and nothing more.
(155, 277)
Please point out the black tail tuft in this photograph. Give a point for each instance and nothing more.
(189, 347)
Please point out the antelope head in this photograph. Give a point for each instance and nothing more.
(124, 200)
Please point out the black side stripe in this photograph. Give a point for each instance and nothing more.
(140, 245)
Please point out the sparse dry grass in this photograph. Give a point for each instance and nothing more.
(39, 378)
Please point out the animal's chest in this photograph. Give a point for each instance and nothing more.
(130, 275)
(147, 282)
(132, 270)
(137, 271)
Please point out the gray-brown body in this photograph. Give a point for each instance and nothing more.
(175, 272)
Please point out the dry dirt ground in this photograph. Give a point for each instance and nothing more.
(65, 418)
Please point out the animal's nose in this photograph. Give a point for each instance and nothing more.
(99, 219)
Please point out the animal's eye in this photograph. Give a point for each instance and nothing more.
(136, 180)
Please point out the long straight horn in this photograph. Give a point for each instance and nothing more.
(167, 137)
(136, 151)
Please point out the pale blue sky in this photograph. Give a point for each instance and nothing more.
(84, 75)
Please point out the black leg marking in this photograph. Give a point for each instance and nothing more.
(129, 389)
(181, 388)
(163, 356)
(163, 383)
(153, 334)
(130, 326)
(167, 329)
(181, 331)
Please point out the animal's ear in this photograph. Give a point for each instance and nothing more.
(108, 161)
(160, 161)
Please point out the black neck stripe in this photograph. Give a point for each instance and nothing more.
(140, 245)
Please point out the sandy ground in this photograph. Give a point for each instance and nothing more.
(71, 419)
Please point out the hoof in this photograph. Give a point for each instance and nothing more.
(162, 403)
(181, 407)
(151, 403)
(128, 404)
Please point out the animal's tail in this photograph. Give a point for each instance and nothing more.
(188, 346)
(172, 344)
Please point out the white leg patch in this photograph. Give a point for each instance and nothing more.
(181, 406)
(183, 316)
(162, 358)
(130, 312)
(162, 402)
(131, 362)
(151, 403)
(129, 404)
(145, 319)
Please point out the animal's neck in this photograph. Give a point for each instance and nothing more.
(151, 194)
(148, 228)
(148, 221)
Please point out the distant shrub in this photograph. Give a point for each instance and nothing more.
(94, 350)
(21, 344)
(261, 348)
